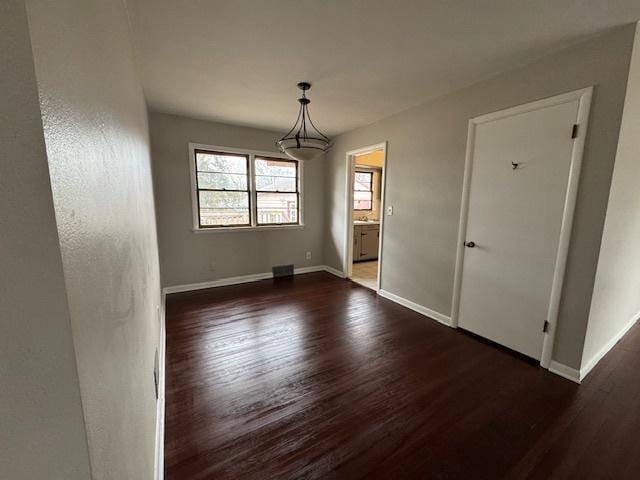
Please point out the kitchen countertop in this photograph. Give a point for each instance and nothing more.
(363, 222)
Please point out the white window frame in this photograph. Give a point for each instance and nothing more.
(369, 171)
(253, 213)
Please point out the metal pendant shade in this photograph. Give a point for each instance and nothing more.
(304, 141)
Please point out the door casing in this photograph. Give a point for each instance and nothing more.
(584, 97)
(348, 224)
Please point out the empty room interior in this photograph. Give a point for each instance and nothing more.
(319, 239)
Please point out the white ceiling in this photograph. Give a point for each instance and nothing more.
(238, 61)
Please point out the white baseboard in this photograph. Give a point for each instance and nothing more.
(217, 283)
(427, 312)
(222, 282)
(313, 268)
(593, 361)
(565, 371)
(334, 271)
(159, 447)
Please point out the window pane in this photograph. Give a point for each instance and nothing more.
(362, 196)
(275, 175)
(363, 181)
(277, 168)
(224, 208)
(277, 208)
(222, 163)
(272, 184)
(222, 181)
(362, 205)
(362, 200)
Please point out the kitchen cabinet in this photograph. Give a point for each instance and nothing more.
(365, 241)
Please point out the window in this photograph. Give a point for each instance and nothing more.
(222, 182)
(276, 191)
(363, 191)
(244, 189)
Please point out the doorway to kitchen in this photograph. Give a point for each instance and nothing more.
(364, 209)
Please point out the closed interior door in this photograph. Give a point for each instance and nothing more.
(519, 174)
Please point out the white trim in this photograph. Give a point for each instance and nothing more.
(223, 282)
(462, 226)
(300, 180)
(564, 371)
(571, 196)
(311, 269)
(247, 229)
(160, 404)
(593, 361)
(383, 213)
(532, 106)
(243, 151)
(252, 190)
(584, 98)
(427, 312)
(348, 223)
(195, 221)
(217, 283)
(334, 271)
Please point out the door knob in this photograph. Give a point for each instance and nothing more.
(469, 244)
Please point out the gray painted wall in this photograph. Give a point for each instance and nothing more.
(616, 296)
(41, 426)
(96, 137)
(426, 153)
(188, 257)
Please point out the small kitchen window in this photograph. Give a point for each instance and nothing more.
(363, 191)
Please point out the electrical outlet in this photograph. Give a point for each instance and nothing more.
(389, 210)
(308, 255)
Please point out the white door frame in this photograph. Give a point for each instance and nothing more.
(584, 97)
(348, 208)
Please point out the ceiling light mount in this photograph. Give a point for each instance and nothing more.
(304, 141)
(304, 86)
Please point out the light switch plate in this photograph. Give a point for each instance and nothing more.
(390, 210)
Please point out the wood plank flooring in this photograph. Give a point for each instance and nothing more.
(315, 377)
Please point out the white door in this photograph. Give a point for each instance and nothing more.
(519, 173)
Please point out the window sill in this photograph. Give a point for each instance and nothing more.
(248, 229)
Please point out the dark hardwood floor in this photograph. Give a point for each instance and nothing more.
(317, 377)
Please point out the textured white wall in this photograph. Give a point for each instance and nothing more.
(96, 137)
(41, 426)
(425, 165)
(616, 296)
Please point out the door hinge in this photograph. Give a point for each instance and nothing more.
(545, 327)
(574, 132)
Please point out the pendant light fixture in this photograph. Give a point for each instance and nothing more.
(304, 141)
